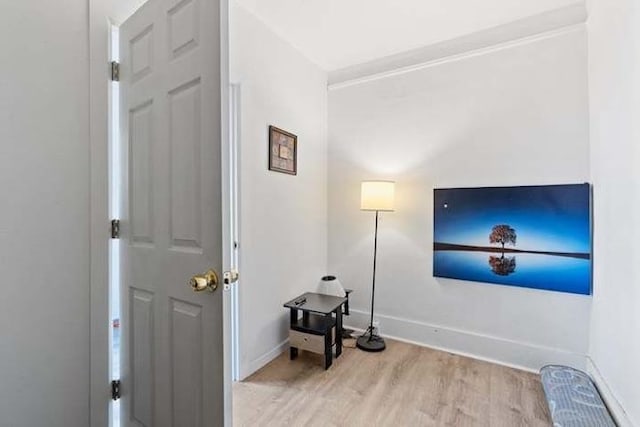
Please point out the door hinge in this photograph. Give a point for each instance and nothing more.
(115, 390)
(115, 71)
(115, 228)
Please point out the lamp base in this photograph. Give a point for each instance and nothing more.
(371, 343)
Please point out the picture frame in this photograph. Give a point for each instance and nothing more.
(283, 151)
(537, 237)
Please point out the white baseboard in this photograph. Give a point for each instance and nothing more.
(515, 354)
(616, 409)
(257, 364)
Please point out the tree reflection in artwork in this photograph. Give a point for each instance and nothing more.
(501, 265)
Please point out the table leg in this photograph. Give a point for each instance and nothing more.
(328, 350)
(339, 331)
(293, 317)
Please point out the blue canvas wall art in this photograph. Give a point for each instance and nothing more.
(536, 237)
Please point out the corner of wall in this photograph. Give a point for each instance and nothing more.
(612, 402)
(256, 364)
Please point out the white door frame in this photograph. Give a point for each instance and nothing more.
(233, 303)
(227, 207)
(102, 13)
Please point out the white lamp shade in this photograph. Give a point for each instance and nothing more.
(377, 196)
(330, 285)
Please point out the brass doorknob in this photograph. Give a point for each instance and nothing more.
(204, 282)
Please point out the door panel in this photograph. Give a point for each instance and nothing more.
(142, 350)
(183, 27)
(140, 182)
(186, 358)
(172, 344)
(186, 185)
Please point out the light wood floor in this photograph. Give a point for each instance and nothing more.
(405, 385)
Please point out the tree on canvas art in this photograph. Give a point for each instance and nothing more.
(503, 234)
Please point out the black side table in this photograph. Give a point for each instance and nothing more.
(318, 327)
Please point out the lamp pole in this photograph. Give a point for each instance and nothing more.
(375, 196)
(373, 342)
(373, 288)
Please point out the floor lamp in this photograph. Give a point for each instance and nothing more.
(377, 196)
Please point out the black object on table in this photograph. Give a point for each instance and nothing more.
(318, 319)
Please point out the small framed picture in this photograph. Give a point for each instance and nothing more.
(283, 151)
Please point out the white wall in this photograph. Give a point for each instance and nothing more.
(514, 115)
(614, 69)
(44, 219)
(283, 218)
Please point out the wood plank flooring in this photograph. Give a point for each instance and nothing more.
(405, 385)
